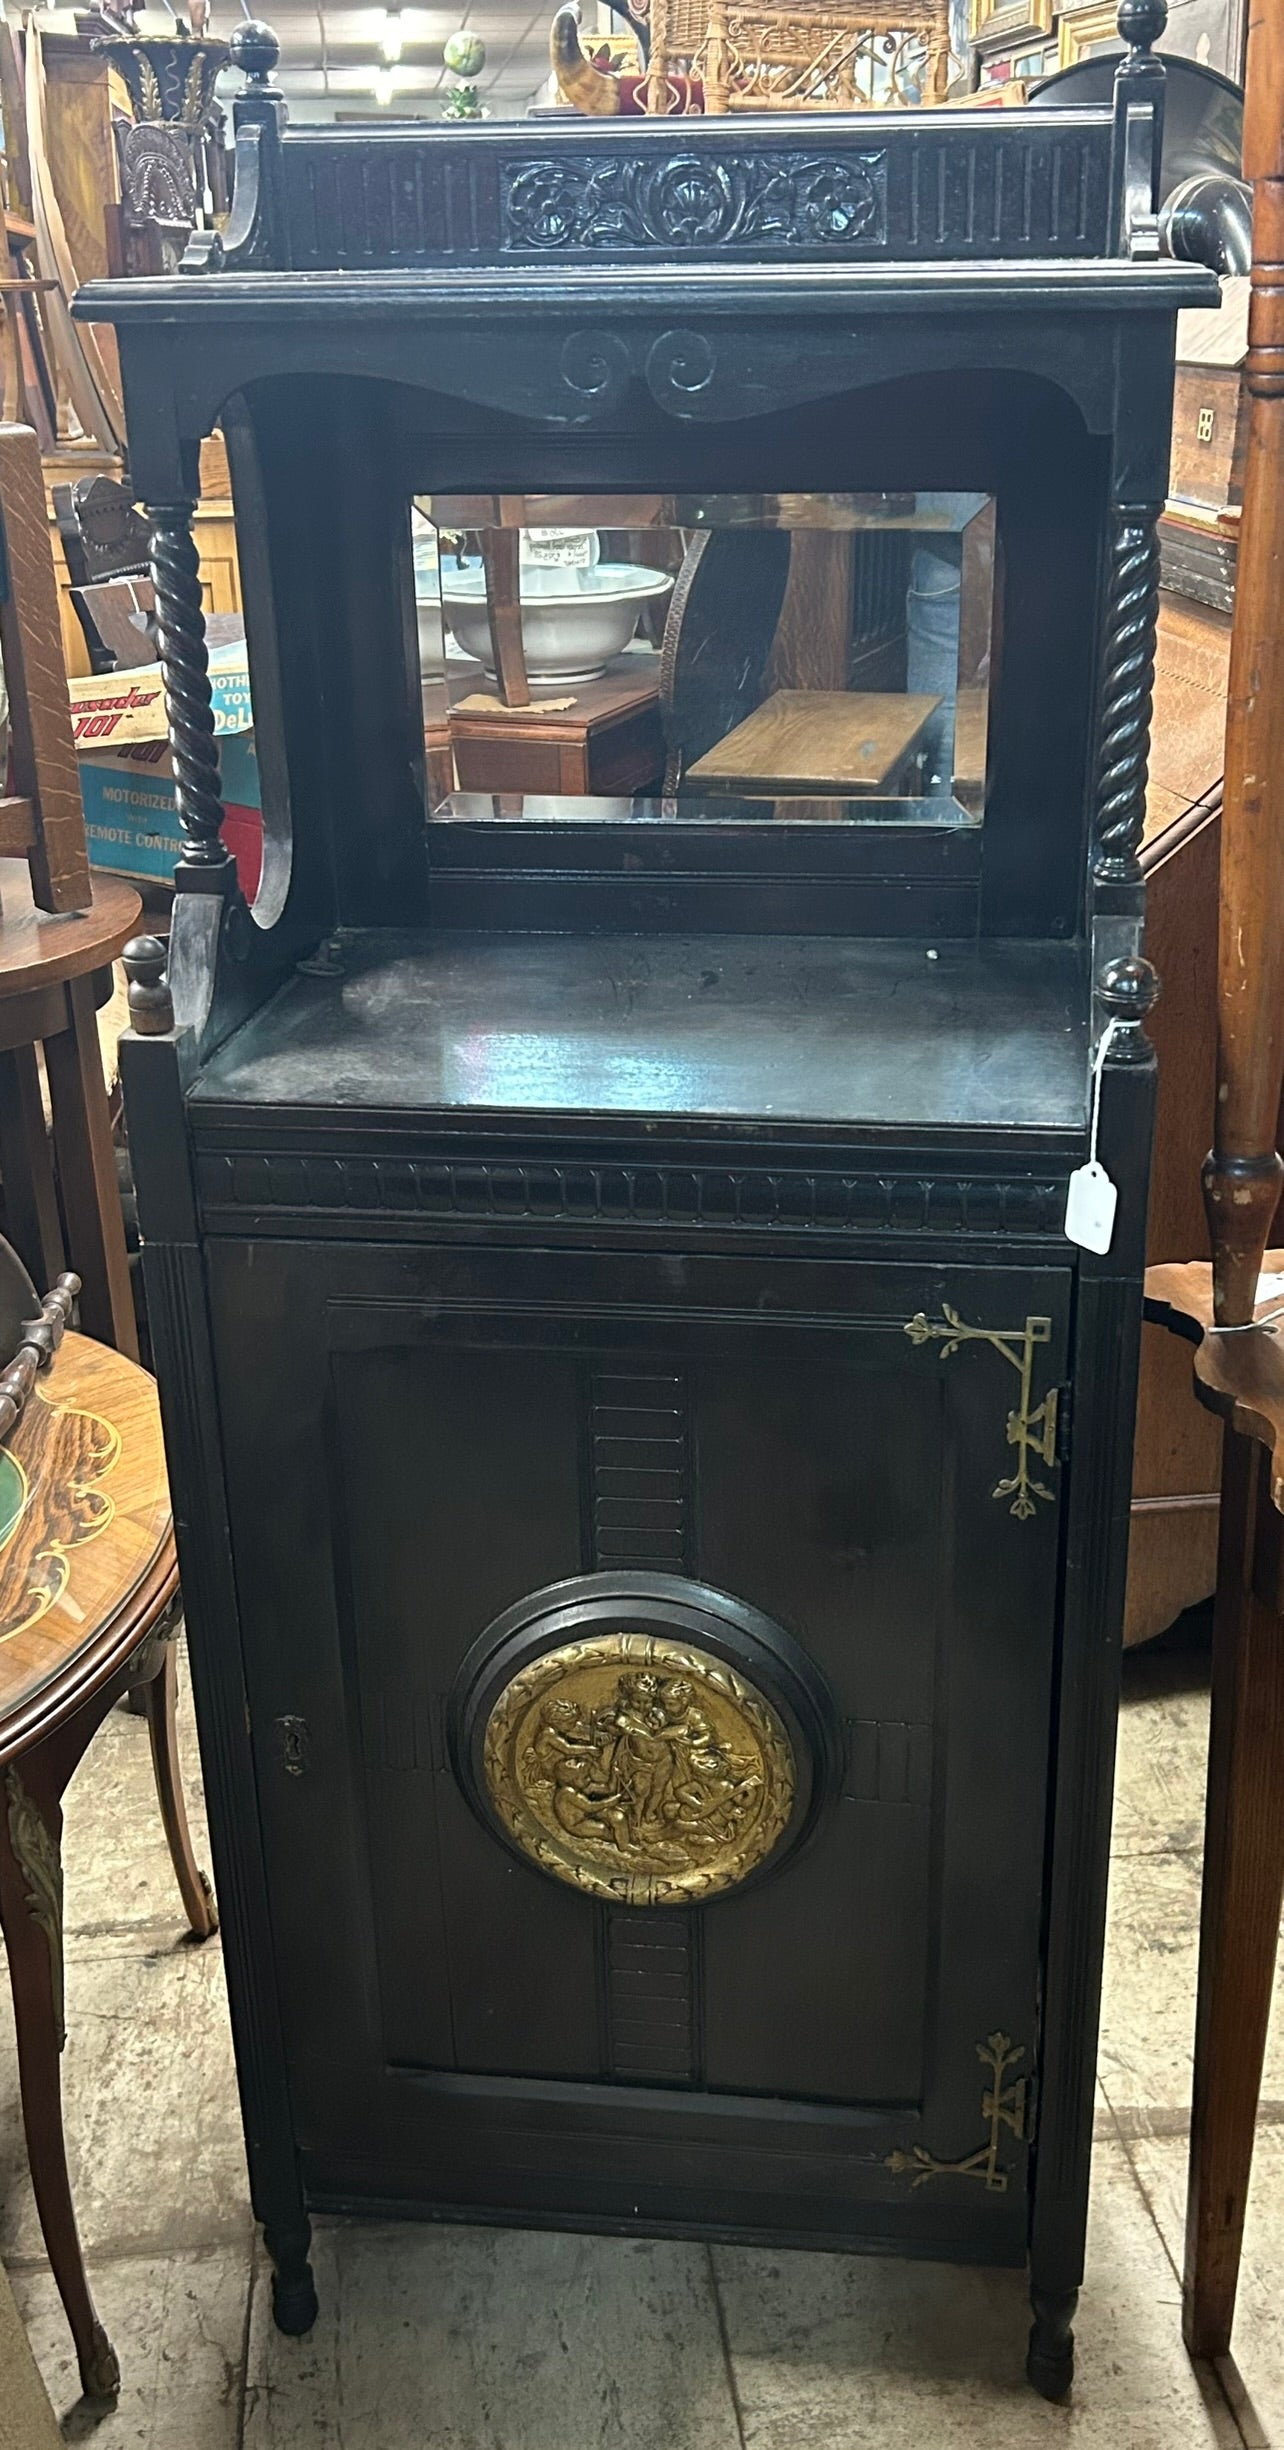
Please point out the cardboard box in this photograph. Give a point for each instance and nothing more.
(127, 773)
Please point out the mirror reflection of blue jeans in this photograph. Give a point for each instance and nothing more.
(935, 590)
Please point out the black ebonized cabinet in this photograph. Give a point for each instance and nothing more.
(651, 1472)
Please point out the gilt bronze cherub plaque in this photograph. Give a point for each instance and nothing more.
(644, 1770)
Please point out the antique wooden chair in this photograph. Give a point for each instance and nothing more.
(1233, 1311)
(88, 1611)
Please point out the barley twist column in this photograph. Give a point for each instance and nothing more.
(205, 862)
(1127, 691)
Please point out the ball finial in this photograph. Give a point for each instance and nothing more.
(151, 1007)
(1141, 22)
(255, 49)
(1126, 989)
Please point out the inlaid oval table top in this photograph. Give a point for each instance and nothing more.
(86, 1536)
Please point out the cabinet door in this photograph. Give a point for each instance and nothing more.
(867, 1456)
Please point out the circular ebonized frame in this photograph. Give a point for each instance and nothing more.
(674, 1609)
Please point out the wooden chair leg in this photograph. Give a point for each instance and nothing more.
(1243, 1890)
(160, 1702)
(87, 1174)
(31, 1918)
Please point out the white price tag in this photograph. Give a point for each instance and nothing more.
(1091, 1202)
(560, 548)
(1091, 1196)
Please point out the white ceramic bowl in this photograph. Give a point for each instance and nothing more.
(432, 643)
(573, 621)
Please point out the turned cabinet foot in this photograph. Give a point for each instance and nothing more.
(294, 2296)
(1049, 2362)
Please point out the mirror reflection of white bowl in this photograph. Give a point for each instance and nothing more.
(573, 621)
(432, 637)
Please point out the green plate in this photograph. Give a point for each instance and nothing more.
(13, 1495)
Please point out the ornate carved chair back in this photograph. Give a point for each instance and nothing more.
(102, 534)
(161, 172)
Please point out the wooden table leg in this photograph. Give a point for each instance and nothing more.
(31, 1918)
(1244, 1858)
(501, 563)
(1243, 1890)
(160, 1702)
(87, 1173)
(30, 1197)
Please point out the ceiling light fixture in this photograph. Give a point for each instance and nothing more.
(383, 84)
(390, 35)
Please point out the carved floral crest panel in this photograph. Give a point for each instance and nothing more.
(789, 200)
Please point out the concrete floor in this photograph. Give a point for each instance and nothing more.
(471, 2339)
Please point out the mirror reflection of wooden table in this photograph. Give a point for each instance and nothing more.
(819, 740)
(88, 1593)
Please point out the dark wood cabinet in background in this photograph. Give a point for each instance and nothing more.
(651, 1472)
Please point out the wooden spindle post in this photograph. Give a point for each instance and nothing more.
(1243, 1174)
(1244, 1834)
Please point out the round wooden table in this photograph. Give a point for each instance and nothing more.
(63, 1176)
(88, 1586)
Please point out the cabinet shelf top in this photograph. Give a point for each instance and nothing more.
(823, 293)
